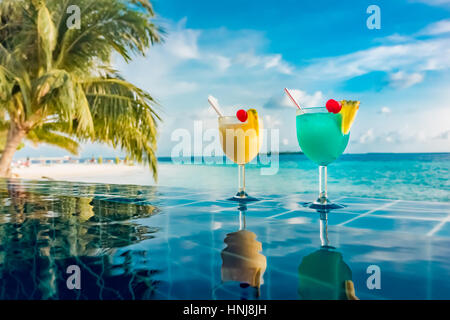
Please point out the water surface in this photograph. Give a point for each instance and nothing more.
(137, 242)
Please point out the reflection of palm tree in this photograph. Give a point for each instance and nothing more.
(241, 259)
(47, 233)
(323, 274)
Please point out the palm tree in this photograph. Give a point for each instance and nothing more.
(57, 83)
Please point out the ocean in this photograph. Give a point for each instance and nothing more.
(422, 177)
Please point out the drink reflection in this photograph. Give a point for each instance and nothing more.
(323, 274)
(241, 259)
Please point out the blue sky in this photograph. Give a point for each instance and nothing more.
(245, 52)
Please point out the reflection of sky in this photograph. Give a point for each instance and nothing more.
(245, 53)
(177, 241)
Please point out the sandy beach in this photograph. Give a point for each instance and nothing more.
(106, 173)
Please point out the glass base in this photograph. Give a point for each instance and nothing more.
(242, 196)
(323, 204)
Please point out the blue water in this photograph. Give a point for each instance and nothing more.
(142, 242)
(421, 177)
(392, 176)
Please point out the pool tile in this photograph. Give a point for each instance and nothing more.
(444, 230)
(364, 201)
(422, 206)
(410, 214)
(398, 225)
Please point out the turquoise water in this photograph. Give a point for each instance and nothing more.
(391, 176)
(423, 177)
(320, 137)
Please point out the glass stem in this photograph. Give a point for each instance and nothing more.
(324, 229)
(240, 220)
(323, 184)
(242, 224)
(242, 208)
(241, 178)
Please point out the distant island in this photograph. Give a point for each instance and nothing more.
(284, 152)
(290, 152)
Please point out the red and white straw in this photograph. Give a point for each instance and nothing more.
(293, 100)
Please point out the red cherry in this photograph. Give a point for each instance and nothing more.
(242, 115)
(333, 106)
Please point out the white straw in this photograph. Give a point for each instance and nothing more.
(215, 104)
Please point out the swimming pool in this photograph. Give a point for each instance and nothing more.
(143, 242)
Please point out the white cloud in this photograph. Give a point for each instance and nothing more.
(417, 56)
(271, 122)
(439, 27)
(223, 63)
(443, 135)
(303, 98)
(418, 130)
(316, 99)
(394, 38)
(182, 43)
(182, 87)
(184, 60)
(274, 61)
(370, 136)
(385, 110)
(367, 137)
(402, 79)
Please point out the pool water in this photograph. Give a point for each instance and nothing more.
(143, 242)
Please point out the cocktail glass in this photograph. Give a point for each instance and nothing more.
(240, 142)
(321, 139)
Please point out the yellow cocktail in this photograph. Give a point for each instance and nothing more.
(241, 142)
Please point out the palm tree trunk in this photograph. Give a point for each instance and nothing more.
(15, 136)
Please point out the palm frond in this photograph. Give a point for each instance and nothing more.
(47, 36)
(123, 30)
(43, 134)
(57, 83)
(123, 117)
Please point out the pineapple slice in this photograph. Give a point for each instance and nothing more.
(348, 112)
(252, 120)
(254, 123)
